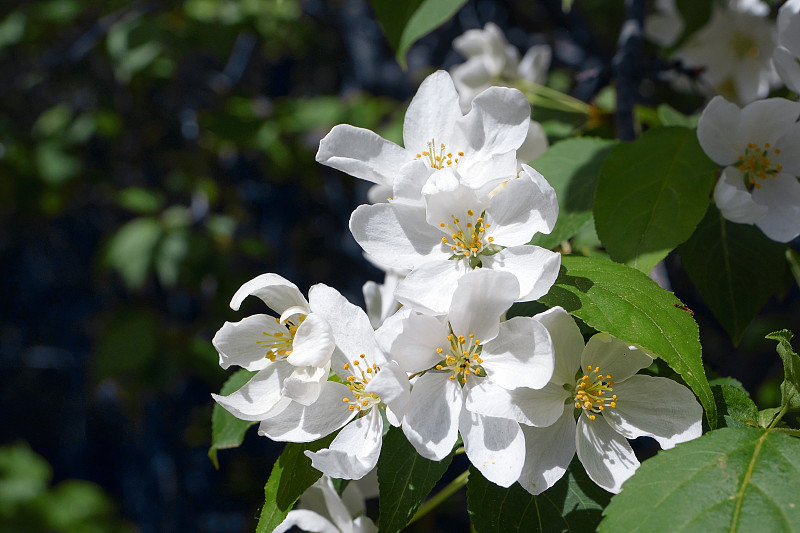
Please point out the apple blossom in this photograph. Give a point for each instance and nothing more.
(757, 145)
(291, 353)
(787, 55)
(612, 404)
(468, 350)
(735, 49)
(367, 384)
(322, 510)
(459, 229)
(436, 135)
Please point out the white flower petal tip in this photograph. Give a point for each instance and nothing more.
(495, 446)
(276, 291)
(355, 450)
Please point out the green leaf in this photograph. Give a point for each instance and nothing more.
(790, 388)
(131, 249)
(405, 22)
(651, 194)
(404, 480)
(291, 475)
(733, 479)
(669, 116)
(227, 431)
(734, 268)
(573, 504)
(140, 200)
(571, 167)
(630, 306)
(734, 407)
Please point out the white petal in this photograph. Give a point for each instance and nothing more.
(313, 342)
(535, 143)
(396, 235)
(535, 63)
(495, 446)
(305, 383)
(432, 113)
(260, 395)
(410, 179)
(361, 153)
(497, 123)
(535, 268)
(548, 452)
(734, 200)
(238, 342)
(354, 451)
(391, 385)
(486, 174)
(306, 521)
(299, 423)
(604, 453)
(414, 346)
(363, 524)
(277, 292)
(781, 196)
(447, 197)
(429, 288)
(765, 121)
(789, 157)
(718, 130)
(518, 211)
(788, 68)
(521, 355)
(481, 297)
(322, 498)
(567, 343)
(431, 422)
(379, 193)
(526, 406)
(612, 356)
(349, 323)
(655, 407)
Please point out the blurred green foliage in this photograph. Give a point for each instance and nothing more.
(28, 504)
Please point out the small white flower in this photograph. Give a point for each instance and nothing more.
(322, 510)
(368, 383)
(469, 350)
(758, 147)
(735, 49)
(436, 135)
(459, 229)
(614, 404)
(665, 25)
(787, 55)
(292, 352)
(492, 61)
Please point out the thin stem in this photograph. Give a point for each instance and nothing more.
(627, 68)
(441, 496)
(549, 97)
(783, 411)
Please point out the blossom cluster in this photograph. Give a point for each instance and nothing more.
(436, 355)
(757, 144)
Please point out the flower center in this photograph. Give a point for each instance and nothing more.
(362, 373)
(440, 158)
(464, 357)
(279, 344)
(590, 392)
(467, 236)
(744, 46)
(756, 165)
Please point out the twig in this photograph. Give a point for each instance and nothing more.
(627, 68)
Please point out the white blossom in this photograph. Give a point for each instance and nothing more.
(787, 55)
(458, 229)
(367, 384)
(469, 353)
(665, 25)
(481, 143)
(735, 50)
(758, 146)
(291, 352)
(322, 510)
(613, 404)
